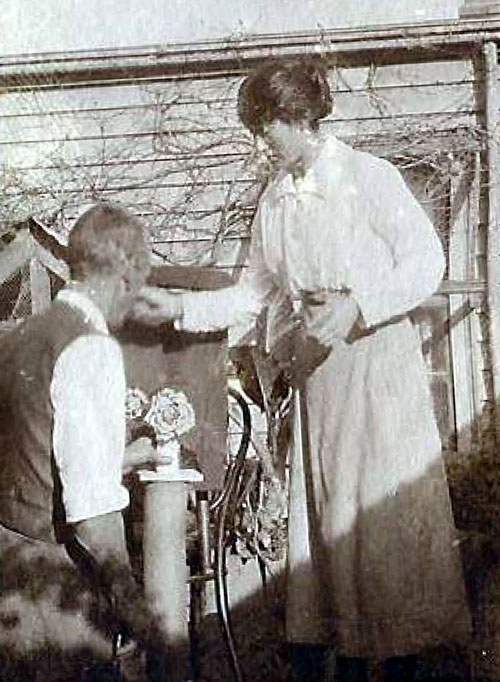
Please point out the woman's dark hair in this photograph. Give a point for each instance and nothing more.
(107, 238)
(288, 91)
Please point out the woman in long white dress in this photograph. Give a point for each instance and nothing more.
(373, 564)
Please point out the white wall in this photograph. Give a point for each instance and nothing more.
(53, 25)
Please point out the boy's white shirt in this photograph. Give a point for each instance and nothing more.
(88, 397)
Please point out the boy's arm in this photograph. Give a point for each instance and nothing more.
(88, 398)
(103, 539)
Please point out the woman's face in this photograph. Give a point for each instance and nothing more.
(286, 140)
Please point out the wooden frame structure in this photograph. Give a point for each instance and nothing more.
(473, 40)
(32, 247)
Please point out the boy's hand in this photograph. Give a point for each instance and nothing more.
(139, 453)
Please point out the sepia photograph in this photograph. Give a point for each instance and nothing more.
(249, 341)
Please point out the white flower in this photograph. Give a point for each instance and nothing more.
(171, 414)
(136, 403)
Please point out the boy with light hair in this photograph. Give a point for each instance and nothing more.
(62, 433)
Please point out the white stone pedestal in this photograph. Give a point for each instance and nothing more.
(165, 569)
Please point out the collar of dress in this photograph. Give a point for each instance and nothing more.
(310, 184)
(84, 304)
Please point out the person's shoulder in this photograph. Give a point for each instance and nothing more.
(364, 161)
(272, 187)
(68, 317)
(96, 354)
(59, 326)
(49, 322)
(347, 167)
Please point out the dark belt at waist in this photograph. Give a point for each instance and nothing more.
(359, 332)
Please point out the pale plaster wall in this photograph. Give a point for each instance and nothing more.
(53, 25)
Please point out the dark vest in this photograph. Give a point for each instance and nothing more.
(30, 494)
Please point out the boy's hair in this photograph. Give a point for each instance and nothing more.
(107, 238)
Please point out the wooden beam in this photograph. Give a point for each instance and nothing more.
(425, 41)
(461, 341)
(39, 287)
(462, 286)
(493, 193)
(16, 254)
(50, 262)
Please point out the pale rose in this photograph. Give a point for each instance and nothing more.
(136, 403)
(170, 414)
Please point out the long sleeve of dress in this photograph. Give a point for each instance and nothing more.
(416, 251)
(239, 304)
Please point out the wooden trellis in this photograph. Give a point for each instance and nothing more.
(157, 129)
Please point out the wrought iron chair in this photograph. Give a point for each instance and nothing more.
(216, 519)
(242, 482)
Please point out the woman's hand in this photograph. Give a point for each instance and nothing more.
(330, 317)
(155, 306)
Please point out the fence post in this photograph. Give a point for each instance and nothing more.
(492, 121)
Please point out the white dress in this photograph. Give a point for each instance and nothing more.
(373, 562)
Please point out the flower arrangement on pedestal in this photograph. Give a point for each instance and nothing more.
(169, 413)
(136, 404)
